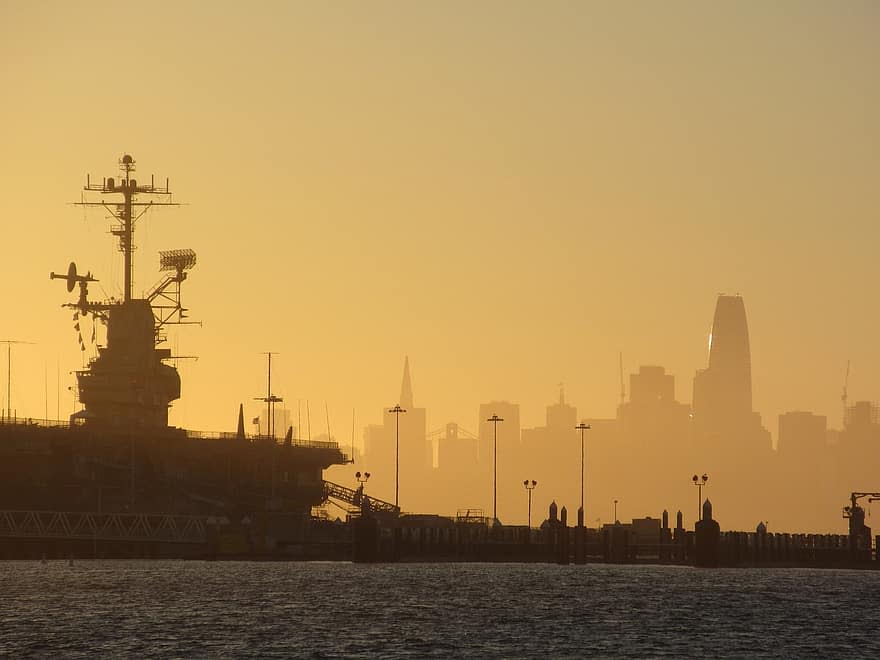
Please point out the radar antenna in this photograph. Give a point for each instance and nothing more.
(125, 214)
(72, 280)
(165, 296)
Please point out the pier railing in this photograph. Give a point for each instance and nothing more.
(72, 525)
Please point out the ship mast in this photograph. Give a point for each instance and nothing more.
(127, 383)
(129, 211)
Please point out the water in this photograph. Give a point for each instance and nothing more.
(231, 609)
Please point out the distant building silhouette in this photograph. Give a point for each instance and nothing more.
(459, 482)
(652, 420)
(416, 451)
(551, 453)
(457, 452)
(805, 463)
(554, 441)
(729, 441)
(561, 416)
(722, 404)
(802, 434)
(858, 447)
(723, 391)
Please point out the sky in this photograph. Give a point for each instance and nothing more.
(511, 193)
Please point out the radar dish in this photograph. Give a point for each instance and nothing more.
(71, 276)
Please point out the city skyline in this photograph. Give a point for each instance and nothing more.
(40, 394)
(642, 455)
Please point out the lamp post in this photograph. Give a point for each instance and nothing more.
(615, 512)
(582, 427)
(362, 478)
(396, 410)
(530, 486)
(495, 419)
(699, 482)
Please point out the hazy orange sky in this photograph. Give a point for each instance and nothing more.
(509, 192)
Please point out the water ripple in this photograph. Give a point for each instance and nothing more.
(324, 610)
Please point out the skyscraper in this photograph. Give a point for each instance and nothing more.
(416, 451)
(730, 443)
(723, 391)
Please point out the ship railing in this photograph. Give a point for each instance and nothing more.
(30, 421)
(231, 435)
(472, 517)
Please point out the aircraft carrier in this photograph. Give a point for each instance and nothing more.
(115, 478)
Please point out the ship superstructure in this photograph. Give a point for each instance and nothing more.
(128, 385)
(118, 454)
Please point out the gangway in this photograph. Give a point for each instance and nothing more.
(357, 498)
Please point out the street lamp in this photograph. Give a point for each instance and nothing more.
(530, 486)
(699, 482)
(495, 419)
(396, 410)
(615, 512)
(582, 427)
(362, 478)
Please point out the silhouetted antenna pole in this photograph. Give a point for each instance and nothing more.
(9, 343)
(270, 399)
(327, 417)
(396, 410)
(582, 428)
(269, 406)
(844, 397)
(495, 419)
(129, 211)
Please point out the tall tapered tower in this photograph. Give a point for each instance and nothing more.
(723, 391)
(406, 393)
(729, 438)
